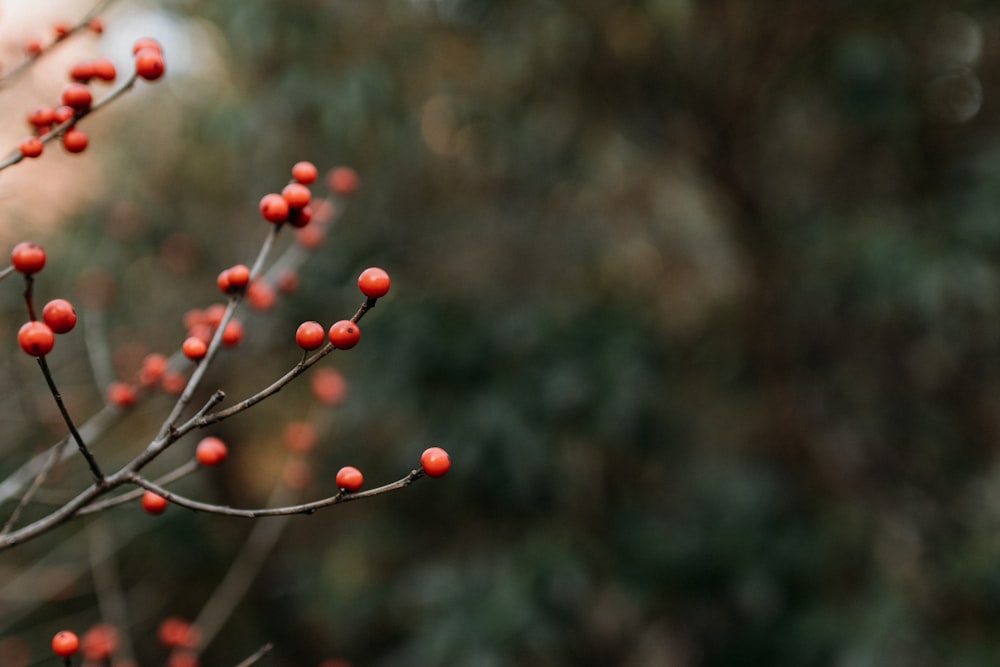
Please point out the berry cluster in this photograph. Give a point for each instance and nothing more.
(38, 337)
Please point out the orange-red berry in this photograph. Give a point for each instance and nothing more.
(297, 195)
(75, 141)
(343, 181)
(310, 335)
(154, 503)
(328, 386)
(310, 237)
(195, 348)
(274, 208)
(33, 47)
(105, 70)
(146, 43)
(239, 277)
(232, 335)
(300, 217)
(211, 451)
(374, 282)
(82, 71)
(350, 478)
(149, 64)
(65, 644)
(345, 334)
(42, 116)
(304, 172)
(36, 338)
(177, 633)
(435, 462)
(63, 113)
(122, 395)
(31, 147)
(60, 315)
(77, 96)
(153, 368)
(28, 257)
(61, 29)
(100, 641)
(96, 25)
(261, 295)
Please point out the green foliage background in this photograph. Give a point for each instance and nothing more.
(702, 297)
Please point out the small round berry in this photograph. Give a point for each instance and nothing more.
(345, 334)
(100, 641)
(61, 29)
(96, 25)
(105, 70)
(350, 478)
(27, 257)
(239, 277)
(42, 116)
(173, 382)
(297, 195)
(300, 217)
(195, 348)
(77, 96)
(374, 282)
(329, 386)
(261, 295)
(146, 43)
(288, 280)
(274, 208)
(435, 462)
(232, 335)
(153, 368)
(33, 47)
(32, 147)
(211, 451)
(60, 315)
(149, 64)
(75, 141)
(310, 335)
(82, 71)
(214, 314)
(36, 338)
(65, 644)
(300, 437)
(304, 172)
(154, 503)
(175, 632)
(343, 180)
(223, 281)
(63, 113)
(310, 237)
(122, 395)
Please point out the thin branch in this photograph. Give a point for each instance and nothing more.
(305, 508)
(178, 473)
(32, 490)
(261, 652)
(95, 469)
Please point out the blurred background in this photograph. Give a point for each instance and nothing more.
(702, 297)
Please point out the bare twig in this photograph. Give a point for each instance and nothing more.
(261, 652)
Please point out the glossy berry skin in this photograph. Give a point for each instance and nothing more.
(345, 334)
(211, 451)
(32, 147)
(239, 277)
(374, 282)
(304, 172)
(60, 315)
(42, 116)
(274, 208)
(297, 195)
(350, 478)
(153, 503)
(435, 462)
(77, 96)
(36, 338)
(75, 141)
(310, 336)
(65, 644)
(149, 64)
(27, 258)
(195, 348)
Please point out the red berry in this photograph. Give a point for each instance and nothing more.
(223, 281)
(300, 217)
(152, 369)
(310, 237)
(122, 395)
(214, 315)
(153, 503)
(195, 348)
(33, 47)
(42, 116)
(374, 282)
(435, 462)
(274, 208)
(82, 71)
(177, 633)
(343, 180)
(297, 195)
(232, 335)
(32, 147)
(105, 70)
(36, 338)
(173, 382)
(28, 257)
(300, 437)
(77, 96)
(310, 335)
(146, 43)
(60, 29)
(65, 644)
(345, 334)
(211, 451)
(261, 295)
(96, 25)
(149, 64)
(304, 172)
(59, 315)
(350, 478)
(63, 113)
(239, 277)
(75, 141)
(100, 641)
(329, 386)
